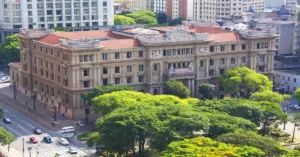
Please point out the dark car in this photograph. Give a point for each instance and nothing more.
(37, 131)
(6, 120)
(47, 139)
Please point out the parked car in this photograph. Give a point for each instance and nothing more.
(80, 123)
(47, 139)
(296, 107)
(37, 131)
(6, 120)
(73, 150)
(33, 140)
(63, 141)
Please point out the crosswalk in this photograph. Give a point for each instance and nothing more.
(62, 151)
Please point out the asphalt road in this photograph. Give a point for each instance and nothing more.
(22, 128)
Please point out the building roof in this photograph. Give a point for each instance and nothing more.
(120, 44)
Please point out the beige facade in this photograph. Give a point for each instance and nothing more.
(62, 66)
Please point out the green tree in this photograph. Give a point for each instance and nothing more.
(243, 82)
(162, 18)
(296, 121)
(296, 94)
(123, 20)
(6, 138)
(176, 21)
(269, 96)
(100, 90)
(207, 90)
(10, 50)
(241, 138)
(205, 147)
(176, 88)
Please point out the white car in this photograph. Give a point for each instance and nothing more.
(73, 150)
(63, 141)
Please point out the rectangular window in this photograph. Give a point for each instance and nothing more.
(155, 67)
(243, 59)
(222, 61)
(141, 54)
(141, 79)
(201, 63)
(117, 69)
(86, 84)
(105, 56)
(243, 46)
(232, 47)
(141, 67)
(233, 60)
(129, 80)
(211, 72)
(117, 55)
(105, 70)
(129, 55)
(222, 48)
(211, 62)
(211, 49)
(117, 80)
(105, 81)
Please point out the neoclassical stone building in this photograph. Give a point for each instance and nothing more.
(62, 65)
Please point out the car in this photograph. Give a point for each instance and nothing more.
(33, 140)
(63, 141)
(80, 123)
(47, 139)
(73, 150)
(296, 107)
(37, 131)
(6, 120)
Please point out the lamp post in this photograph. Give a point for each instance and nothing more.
(15, 92)
(34, 94)
(87, 112)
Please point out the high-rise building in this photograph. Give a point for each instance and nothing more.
(32, 14)
(212, 9)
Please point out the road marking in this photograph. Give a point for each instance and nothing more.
(10, 129)
(24, 129)
(31, 126)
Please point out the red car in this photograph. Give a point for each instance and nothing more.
(33, 140)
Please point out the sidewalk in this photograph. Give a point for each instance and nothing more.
(39, 115)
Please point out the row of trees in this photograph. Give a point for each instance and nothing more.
(145, 17)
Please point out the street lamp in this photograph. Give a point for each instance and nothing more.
(87, 112)
(34, 94)
(14, 86)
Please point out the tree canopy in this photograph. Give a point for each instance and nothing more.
(243, 82)
(123, 20)
(176, 88)
(10, 50)
(6, 138)
(205, 147)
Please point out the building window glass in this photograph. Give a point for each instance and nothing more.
(105, 70)
(117, 55)
(105, 81)
(141, 79)
(117, 80)
(105, 56)
(86, 84)
(141, 67)
(129, 55)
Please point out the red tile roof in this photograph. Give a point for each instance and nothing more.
(119, 44)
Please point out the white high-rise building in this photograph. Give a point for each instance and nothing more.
(74, 14)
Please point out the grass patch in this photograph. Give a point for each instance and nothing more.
(82, 137)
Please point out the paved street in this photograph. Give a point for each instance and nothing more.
(22, 127)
